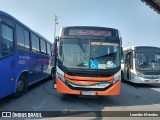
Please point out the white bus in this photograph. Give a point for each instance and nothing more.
(141, 64)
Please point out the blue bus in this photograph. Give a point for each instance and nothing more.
(24, 56)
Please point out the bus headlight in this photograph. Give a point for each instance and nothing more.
(60, 76)
(117, 77)
(139, 74)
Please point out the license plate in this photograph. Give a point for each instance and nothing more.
(152, 81)
(88, 93)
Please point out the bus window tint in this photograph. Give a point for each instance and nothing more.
(35, 43)
(7, 38)
(20, 37)
(43, 46)
(26, 37)
(107, 54)
(48, 49)
(73, 54)
(148, 61)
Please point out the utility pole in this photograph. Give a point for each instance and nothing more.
(54, 57)
(55, 24)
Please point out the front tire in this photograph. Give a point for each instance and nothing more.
(21, 87)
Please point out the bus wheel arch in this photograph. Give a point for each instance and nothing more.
(21, 85)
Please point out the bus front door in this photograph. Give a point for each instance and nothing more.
(128, 65)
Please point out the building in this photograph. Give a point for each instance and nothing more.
(153, 4)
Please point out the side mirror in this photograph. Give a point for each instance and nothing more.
(121, 51)
(56, 39)
(54, 56)
(134, 55)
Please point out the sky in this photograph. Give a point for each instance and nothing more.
(137, 23)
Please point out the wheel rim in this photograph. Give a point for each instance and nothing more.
(20, 85)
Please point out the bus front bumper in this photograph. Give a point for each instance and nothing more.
(111, 91)
(142, 80)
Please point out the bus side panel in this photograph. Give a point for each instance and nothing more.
(38, 67)
(22, 59)
(12, 67)
(6, 84)
(35, 64)
(7, 76)
(46, 66)
(34, 67)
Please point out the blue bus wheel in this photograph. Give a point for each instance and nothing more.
(21, 87)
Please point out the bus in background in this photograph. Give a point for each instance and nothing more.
(88, 61)
(141, 64)
(24, 56)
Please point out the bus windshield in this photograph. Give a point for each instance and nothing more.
(89, 54)
(148, 61)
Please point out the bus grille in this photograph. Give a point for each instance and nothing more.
(89, 74)
(152, 73)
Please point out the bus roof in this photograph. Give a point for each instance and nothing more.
(64, 29)
(14, 19)
(91, 27)
(133, 47)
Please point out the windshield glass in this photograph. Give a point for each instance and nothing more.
(74, 53)
(89, 54)
(148, 61)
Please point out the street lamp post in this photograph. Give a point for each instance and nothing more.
(56, 23)
(54, 57)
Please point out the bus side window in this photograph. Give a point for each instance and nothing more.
(27, 41)
(20, 37)
(35, 43)
(23, 42)
(38, 44)
(43, 46)
(7, 38)
(48, 49)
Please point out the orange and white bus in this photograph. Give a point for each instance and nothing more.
(88, 61)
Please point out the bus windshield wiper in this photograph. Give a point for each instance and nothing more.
(80, 44)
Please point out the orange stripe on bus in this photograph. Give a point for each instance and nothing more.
(82, 82)
(99, 79)
(112, 91)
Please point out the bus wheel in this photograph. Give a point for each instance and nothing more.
(21, 87)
